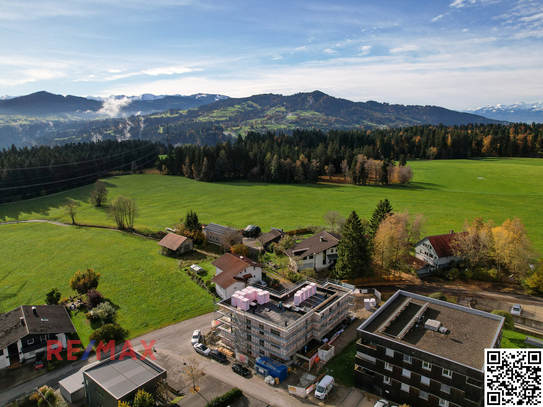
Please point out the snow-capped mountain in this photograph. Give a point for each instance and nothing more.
(150, 96)
(6, 97)
(518, 112)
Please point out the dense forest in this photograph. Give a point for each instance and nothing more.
(306, 154)
(37, 171)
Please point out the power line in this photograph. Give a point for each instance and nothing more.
(76, 163)
(70, 179)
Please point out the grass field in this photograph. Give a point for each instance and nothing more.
(446, 192)
(147, 288)
(513, 339)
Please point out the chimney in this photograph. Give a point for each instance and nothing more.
(322, 238)
(34, 311)
(22, 319)
(451, 231)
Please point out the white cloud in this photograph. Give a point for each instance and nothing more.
(276, 57)
(169, 70)
(461, 3)
(405, 48)
(329, 51)
(465, 30)
(302, 48)
(364, 49)
(112, 106)
(437, 18)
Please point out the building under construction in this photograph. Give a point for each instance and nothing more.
(280, 325)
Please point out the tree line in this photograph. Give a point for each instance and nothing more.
(40, 170)
(307, 154)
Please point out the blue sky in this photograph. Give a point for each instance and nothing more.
(456, 53)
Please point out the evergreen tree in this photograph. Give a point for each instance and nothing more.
(353, 250)
(192, 223)
(381, 211)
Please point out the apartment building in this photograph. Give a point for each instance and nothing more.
(425, 352)
(281, 326)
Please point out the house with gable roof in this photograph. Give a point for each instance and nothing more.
(437, 251)
(176, 244)
(25, 330)
(233, 272)
(318, 251)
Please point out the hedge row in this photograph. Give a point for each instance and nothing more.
(226, 399)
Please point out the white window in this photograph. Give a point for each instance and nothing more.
(366, 357)
(407, 359)
(406, 373)
(386, 380)
(443, 403)
(30, 341)
(426, 365)
(447, 373)
(390, 352)
(445, 388)
(423, 395)
(388, 366)
(425, 380)
(405, 387)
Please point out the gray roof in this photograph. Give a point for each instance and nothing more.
(75, 382)
(469, 331)
(120, 377)
(46, 319)
(268, 237)
(315, 244)
(219, 229)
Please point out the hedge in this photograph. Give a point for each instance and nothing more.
(226, 399)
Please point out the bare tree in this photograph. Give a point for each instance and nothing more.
(330, 170)
(404, 174)
(192, 371)
(334, 220)
(99, 194)
(233, 237)
(71, 209)
(123, 209)
(345, 168)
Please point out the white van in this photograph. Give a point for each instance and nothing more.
(324, 387)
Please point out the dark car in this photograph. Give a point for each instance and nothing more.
(240, 369)
(218, 356)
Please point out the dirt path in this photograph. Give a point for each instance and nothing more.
(52, 222)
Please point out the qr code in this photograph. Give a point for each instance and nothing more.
(513, 377)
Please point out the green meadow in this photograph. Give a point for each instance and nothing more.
(146, 287)
(446, 191)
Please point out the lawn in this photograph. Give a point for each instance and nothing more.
(446, 191)
(513, 339)
(341, 367)
(146, 287)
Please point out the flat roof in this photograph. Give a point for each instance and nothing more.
(120, 377)
(289, 313)
(469, 331)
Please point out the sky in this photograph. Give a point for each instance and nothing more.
(457, 53)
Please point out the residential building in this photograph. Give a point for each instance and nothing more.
(281, 326)
(111, 381)
(176, 244)
(233, 272)
(318, 251)
(222, 235)
(273, 236)
(425, 352)
(436, 251)
(25, 330)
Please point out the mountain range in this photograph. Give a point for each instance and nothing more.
(516, 113)
(46, 118)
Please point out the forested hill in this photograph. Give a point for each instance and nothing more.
(217, 121)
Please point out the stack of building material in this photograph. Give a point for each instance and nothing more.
(234, 300)
(298, 298)
(313, 288)
(261, 297)
(245, 304)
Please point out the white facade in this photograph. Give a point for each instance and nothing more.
(318, 261)
(226, 292)
(426, 252)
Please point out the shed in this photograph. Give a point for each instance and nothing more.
(176, 244)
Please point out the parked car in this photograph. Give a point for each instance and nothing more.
(202, 349)
(516, 310)
(261, 283)
(240, 369)
(218, 356)
(196, 337)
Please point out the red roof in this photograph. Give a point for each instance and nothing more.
(172, 241)
(442, 244)
(231, 265)
(416, 262)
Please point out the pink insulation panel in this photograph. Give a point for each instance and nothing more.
(245, 304)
